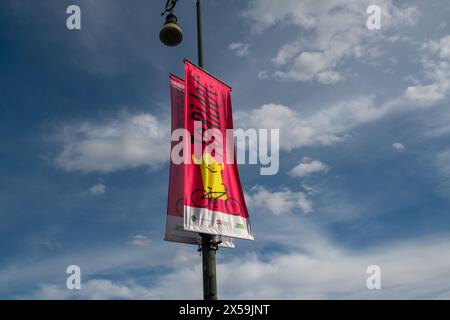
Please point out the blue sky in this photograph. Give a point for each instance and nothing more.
(364, 173)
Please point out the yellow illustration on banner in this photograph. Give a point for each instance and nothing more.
(211, 176)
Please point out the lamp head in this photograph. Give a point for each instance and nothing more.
(170, 33)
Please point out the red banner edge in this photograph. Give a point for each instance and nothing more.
(207, 73)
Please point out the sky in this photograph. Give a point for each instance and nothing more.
(364, 123)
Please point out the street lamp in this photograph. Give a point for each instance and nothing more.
(171, 35)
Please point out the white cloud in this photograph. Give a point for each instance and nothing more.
(126, 142)
(440, 48)
(94, 260)
(286, 53)
(313, 66)
(417, 269)
(324, 127)
(312, 266)
(96, 289)
(335, 32)
(426, 94)
(106, 261)
(262, 75)
(330, 124)
(97, 189)
(240, 49)
(409, 270)
(397, 146)
(436, 64)
(139, 240)
(308, 167)
(279, 202)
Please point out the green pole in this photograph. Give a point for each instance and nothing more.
(208, 247)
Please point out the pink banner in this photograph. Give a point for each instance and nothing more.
(175, 222)
(213, 198)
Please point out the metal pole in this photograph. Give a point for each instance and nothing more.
(209, 268)
(199, 35)
(208, 247)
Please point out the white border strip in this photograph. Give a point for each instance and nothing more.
(203, 220)
(175, 233)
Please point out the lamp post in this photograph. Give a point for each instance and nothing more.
(171, 35)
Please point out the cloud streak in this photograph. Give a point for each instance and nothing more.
(418, 269)
(129, 141)
(240, 49)
(278, 202)
(308, 167)
(332, 33)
